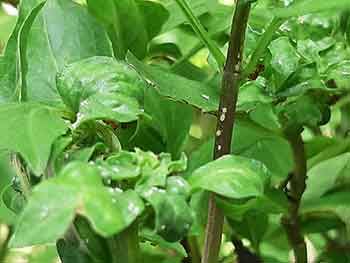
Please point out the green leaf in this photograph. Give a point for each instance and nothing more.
(303, 111)
(173, 215)
(77, 189)
(202, 33)
(300, 8)
(31, 131)
(251, 94)
(251, 228)
(310, 50)
(335, 203)
(232, 176)
(340, 73)
(97, 246)
(154, 238)
(101, 88)
(8, 65)
(124, 24)
(178, 88)
(154, 15)
(252, 141)
(22, 67)
(47, 207)
(121, 166)
(50, 47)
(69, 252)
(171, 119)
(272, 202)
(155, 173)
(178, 185)
(328, 175)
(305, 78)
(284, 57)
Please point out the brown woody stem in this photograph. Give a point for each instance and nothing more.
(226, 118)
(297, 187)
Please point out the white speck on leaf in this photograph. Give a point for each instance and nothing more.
(205, 97)
(218, 133)
(44, 213)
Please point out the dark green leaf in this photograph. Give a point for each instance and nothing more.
(124, 23)
(173, 215)
(171, 119)
(154, 238)
(178, 88)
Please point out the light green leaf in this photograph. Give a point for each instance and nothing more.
(328, 175)
(284, 57)
(300, 8)
(232, 176)
(178, 185)
(30, 129)
(22, 66)
(101, 88)
(77, 189)
(57, 38)
(46, 217)
(8, 65)
(121, 166)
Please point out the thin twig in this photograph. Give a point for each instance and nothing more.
(226, 118)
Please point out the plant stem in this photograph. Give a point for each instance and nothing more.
(201, 32)
(262, 45)
(226, 118)
(297, 187)
(243, 253)
(22, 174)
(124, 247)
(191, 246)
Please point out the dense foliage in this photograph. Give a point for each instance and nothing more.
(107, 136)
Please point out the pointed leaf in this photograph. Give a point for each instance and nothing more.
(50, 47)
(30, 129)
(178, 88)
